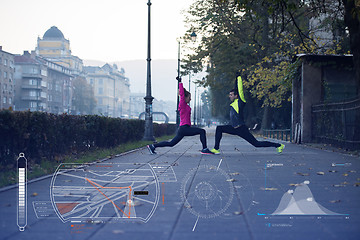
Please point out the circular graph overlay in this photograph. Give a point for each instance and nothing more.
(207, 191)
(104, 192)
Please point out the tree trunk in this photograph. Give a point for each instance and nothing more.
(352, 20)
(266, 119)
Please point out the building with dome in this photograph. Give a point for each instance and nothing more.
(54, 47)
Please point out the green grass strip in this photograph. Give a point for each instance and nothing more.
(47, 167)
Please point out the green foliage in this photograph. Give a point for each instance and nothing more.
(260, 39)
(47, 167)
(47, 136)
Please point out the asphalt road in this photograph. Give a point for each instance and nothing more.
(243, 193)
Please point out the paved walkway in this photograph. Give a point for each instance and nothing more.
(244, 193)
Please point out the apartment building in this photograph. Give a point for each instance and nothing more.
(111, 90)
(7, 85)
(42, 85)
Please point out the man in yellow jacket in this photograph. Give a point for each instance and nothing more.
(238, 126)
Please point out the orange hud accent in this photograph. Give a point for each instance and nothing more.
(65, 207)
(129, 198)
(163, 193)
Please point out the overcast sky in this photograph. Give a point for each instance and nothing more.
(106, 30)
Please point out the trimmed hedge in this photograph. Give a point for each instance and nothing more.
(45, 135)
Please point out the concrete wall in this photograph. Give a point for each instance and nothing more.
(322, 78)
(310, 94)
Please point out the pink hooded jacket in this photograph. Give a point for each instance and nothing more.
(184, 108)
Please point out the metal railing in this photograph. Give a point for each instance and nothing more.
(280, 134)
(337, 123)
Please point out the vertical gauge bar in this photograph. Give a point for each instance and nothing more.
(22, 192)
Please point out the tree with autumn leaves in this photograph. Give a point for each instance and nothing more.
(261, 39)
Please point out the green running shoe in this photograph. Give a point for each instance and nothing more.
(280, 149)
(215, 151)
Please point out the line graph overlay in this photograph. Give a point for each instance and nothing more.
(301, 202)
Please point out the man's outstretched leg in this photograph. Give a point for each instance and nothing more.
(244, 132)
(218, 135)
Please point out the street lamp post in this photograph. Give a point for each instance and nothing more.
(177, 93)
(148, 135)
(199, 109)
(195, 107)
(193, 38)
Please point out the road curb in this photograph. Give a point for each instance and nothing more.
(4, 189)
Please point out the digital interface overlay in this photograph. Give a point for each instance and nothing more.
(104, 192)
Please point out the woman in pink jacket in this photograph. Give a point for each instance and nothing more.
(185, 128)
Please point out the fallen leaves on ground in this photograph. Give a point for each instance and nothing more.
(303, 174)
(238, 213)
(269, 189)
(116, 231)
(235, 173)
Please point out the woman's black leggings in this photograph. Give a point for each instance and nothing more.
(243, 132)
(183, 131)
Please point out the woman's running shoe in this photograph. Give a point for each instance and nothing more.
(206, 151)
(151, 149)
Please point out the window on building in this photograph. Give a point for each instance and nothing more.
(4, 100)
(100, 91)
(100, 81)
(33, 104)
(5, 75)
(32, 94)
(91, 81)
(43, 106)
(33, 82)
(10, 100)
(5, 62)
(31, 70)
